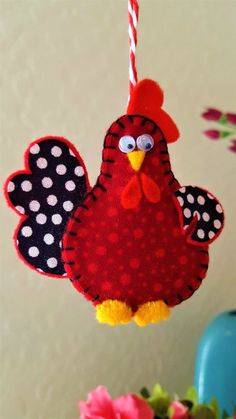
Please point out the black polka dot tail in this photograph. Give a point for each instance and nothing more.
(200, 213)
(53, 183)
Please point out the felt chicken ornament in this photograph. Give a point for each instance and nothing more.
(136, 244)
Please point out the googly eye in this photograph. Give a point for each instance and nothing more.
(127, 144)
(145, 142)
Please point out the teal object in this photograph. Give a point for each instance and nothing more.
(215, 371)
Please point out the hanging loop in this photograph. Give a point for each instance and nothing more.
(133, 12)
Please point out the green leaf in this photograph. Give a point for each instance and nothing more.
(192, 395)
(225, 134)
(215, 407)
(159, 401)
(223, 119)
(160, 405)
(159, 391)
(203, 412)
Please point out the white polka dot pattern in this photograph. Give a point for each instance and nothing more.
(20, 209)
(79, 171)
(42, 163)
(41, 218)
(56, 151)
(48, 238)
(52, 200)
(68, 206)
(10, 187)
(26, 231)
(47, 195)
(195, 202)
(47, 182)
(34, 149)
(33, 251)
(26, 186)
(61, 169)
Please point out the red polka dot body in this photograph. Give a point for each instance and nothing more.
(141, 253)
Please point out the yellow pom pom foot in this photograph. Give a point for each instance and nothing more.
(151, 312)
(113, 312)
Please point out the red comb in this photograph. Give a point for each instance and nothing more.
(147, 99)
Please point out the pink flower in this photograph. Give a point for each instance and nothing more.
(180, 411)
(213, 134)
(231, 117)
(212, 114)
(99, 405)
(233, 146)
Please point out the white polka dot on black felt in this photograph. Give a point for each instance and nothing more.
(48, 238)
(56, 219)
(10, 186)
(187, 212)
(79, 171)
(20, 209)
(217, 224)
(26, 186)
(206, 216)
(34, 205)
(71, 153)
(52, 200)
(61, 169)
(68, 206)
(42, 163)
(47, 182)
(26, 231)
(52, 263)
(201, 200)
(34, 149)
(219, 209)
(195, 201)
(47, 196)
(181, 201)
(190, 198)
(33, 251)
(70, 185)
(41, 218)
(201, 233)
(56, 151)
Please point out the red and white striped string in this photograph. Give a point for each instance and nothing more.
(133, 11)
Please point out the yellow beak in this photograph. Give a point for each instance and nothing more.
(136, 159)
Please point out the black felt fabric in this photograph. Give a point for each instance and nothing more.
(47, 196)
(198, 203)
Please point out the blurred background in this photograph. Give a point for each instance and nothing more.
(64, 72)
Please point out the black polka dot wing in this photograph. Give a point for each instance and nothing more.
(53, 184)
(201, 214)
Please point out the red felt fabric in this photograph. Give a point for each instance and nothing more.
(147, 99)
(139, 254)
